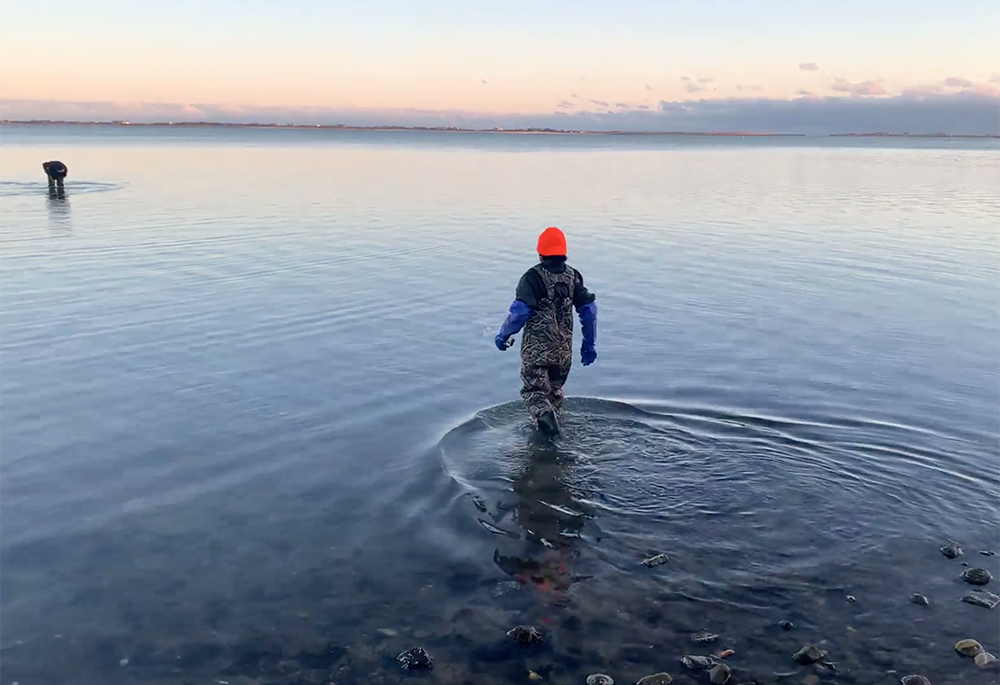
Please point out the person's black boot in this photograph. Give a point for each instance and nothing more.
(547, 423)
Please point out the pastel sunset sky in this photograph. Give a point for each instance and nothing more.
(635, 64)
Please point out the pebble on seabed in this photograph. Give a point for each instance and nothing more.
(656, 560)
(987, 553)
(600, 679)
(720, 674)
(656, 679)
(915, 680)
(968, 648)
(987, 660)
(698, 663)
(982, 598)
(414, 659)
(704, 637)
(977, 576)
(919, 599)
(951, 550)
(809, 654)
(524, 634)
(786, 625)
(851, 598)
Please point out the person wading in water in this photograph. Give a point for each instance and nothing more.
(543, 306)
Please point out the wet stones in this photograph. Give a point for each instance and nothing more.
(656, 679)
(720, 674)
(786, 625)
(952, 551)
(414, 659)
(698, 663)
(919, 599)
(987, 553)
(600, 679)
(969, 648)
(656, 560)
(809, 654)
(526, 635)
(982, 598)
(987, 660)
(725, 654)
(704, 637)
(851, 599)
(914, 680)
(976, 576)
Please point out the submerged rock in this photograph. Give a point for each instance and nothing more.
(919, 599)
(914, 680)
(982, 598)
(533, 676)
(976, 576)
(725, 654)
(415, 658)
(698, 663)
(704, 637)
(987, 553)
(809, 654)
(656, 679)
(786, 625)
(720, 674)
(968, 648)
(600, 679)
(987, 660)
(851, 598)
(951, 550)
(657, 560)
(524, 634)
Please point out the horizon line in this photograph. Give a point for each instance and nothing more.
(123, 123)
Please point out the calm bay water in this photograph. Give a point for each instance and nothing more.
(251, 413)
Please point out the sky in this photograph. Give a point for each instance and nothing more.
(768, 65)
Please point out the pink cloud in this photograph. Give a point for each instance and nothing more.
(692, 87)
(863, 89)
(958, 82)
(808, 66)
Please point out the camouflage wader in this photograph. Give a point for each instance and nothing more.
(547, 344)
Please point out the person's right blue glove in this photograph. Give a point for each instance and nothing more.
(516, 318)
(588, 321)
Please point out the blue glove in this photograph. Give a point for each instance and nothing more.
(516, 318)
(588, 321)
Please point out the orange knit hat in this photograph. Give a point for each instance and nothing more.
(552, 243)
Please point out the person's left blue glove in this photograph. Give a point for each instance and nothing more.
(588, 322)
(516, 318)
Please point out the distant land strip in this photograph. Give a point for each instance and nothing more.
(457, 129)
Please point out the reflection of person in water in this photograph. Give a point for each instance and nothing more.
(550, 516)
(56, 172)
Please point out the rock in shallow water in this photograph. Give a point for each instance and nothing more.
(919, 599)
(809, 654)
(415, 658)
(600, 679)
(968, 648)
(704, 637)
(976, 576)
(981, 598)
(915, 680)
(698, 663)
(720, 674)
(951, 550)
(656, 560)
(987, 660)
(656, 679)
(524, 634)
(786, 625)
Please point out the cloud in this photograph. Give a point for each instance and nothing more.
(649, 87)
(622, 105)
(685, 78)
(803, 92)
(705, 79)
(741, 88)
(600, 103)
(949, 111)
(483, 81)
(995, 79)
(643, 107)
(808, 66)
(862, 89)
(566, 104)
(958, 82)
(692, 87)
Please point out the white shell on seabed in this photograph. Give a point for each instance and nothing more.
(600, 679)
(656, 560)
